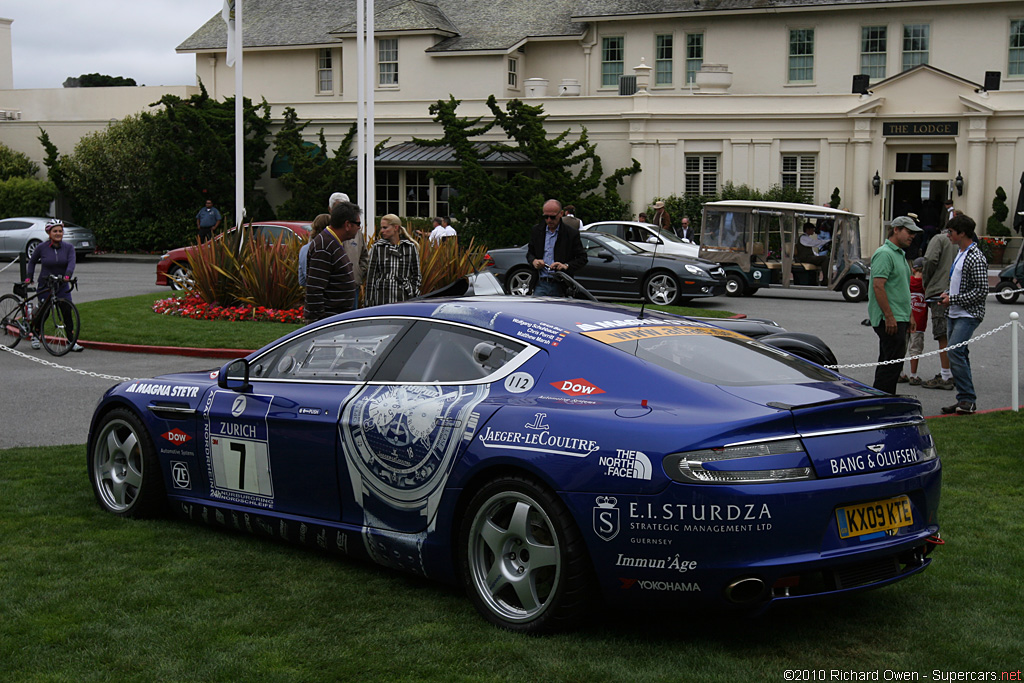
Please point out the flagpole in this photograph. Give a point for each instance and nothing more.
(360, 98)
(239, 123)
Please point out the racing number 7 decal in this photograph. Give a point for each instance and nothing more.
(240, 447)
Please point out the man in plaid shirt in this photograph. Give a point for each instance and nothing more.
(968, 287)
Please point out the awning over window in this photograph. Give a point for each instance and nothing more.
(411, 154)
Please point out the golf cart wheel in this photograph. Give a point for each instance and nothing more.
(1006, 292)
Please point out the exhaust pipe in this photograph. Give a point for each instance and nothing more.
(746, 590)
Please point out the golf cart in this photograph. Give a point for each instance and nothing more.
(1011, 278)
(758, 244)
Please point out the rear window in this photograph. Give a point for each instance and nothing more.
(712, 355)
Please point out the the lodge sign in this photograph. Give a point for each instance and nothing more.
(890, 129)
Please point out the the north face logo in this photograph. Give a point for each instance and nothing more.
(577, 387)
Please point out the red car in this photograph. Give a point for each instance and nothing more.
(175, 262)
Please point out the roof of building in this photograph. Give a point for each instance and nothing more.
(462, 25)
(412, 154)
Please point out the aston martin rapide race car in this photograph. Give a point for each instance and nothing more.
(546, 454)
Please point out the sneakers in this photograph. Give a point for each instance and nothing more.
(938, 383)
(36, 344)
(78, 347)
(903, 379)
(960, 408)
(915, 381)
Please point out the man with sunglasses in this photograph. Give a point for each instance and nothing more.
(554, 245)
(330, 282)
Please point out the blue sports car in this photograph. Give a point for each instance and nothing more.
(546, 454)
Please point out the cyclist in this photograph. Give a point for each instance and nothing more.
(55, 257)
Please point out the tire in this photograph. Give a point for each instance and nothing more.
(855, 290)
(183, 274)
(58, 329)
(519, 282)
(523, 560)
(1005, 293)
(735, 285)
(661, 289)
(31, 247)
(12, 320)
(123, 467)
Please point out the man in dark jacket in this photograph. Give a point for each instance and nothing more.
(330, 283)
(556, 245)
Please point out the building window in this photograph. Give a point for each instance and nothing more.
(387, 61)
(798, 171)
(701, 174)
(417, 194)
(443, 194)
(1016, 48)
(872, 51)
(613, 60)
(915, 45)
(694, 55)
(324, 71)
(513, 73)
(388, 192)
(801, 55)
(663, 60)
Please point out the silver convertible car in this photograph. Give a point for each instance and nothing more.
(24, 234)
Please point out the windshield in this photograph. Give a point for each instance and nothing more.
(617, 244)
(712, 355)
(845, 246)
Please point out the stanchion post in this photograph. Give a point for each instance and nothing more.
(1013, 362)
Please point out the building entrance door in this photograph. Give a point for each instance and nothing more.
(923, 197)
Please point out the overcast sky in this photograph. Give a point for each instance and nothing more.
(54, 39)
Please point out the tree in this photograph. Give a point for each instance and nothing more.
(834, 200)
(995, 225)
(98, 81)
(16, 164)
(499, 211)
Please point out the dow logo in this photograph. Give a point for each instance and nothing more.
(577, 387)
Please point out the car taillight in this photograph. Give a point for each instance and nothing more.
(753, 463)
(488, 261)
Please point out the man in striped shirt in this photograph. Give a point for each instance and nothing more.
(330, 283)
(968, 287)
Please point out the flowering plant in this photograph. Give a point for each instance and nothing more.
(193, 306)
(995, 241)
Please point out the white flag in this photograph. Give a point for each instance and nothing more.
(228, 15)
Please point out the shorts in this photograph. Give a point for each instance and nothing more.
(938, 320)
(916, 344)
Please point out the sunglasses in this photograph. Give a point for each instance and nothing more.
(549, 216)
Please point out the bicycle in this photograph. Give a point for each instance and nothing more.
(56, 323)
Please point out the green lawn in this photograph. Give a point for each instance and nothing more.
(85, 596)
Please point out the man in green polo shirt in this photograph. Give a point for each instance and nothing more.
(889, 301)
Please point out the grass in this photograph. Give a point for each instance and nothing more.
(131, 320)
(86, 596)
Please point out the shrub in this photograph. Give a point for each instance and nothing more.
(26, 197)
(16, 164)
(995, 226)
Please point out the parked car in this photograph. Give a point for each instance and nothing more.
(23, 234)
(175, 261)
(647, 236)
(1011, 279)
(617, 270)
(543, 453)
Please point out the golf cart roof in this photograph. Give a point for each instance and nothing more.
(813, 209)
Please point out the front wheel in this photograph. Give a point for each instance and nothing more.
(522, 558)
(12, 320)
(58, 330)
(735, 285)
(123, 467)
(1006, 292)
(519, 282)
(179, 277)
(661, 289)
(855, 290)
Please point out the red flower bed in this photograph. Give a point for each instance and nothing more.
(194, 307)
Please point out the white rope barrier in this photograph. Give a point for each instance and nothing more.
(51, 364)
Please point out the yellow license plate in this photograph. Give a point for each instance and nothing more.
(869, 518)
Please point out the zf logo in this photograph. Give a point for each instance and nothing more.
(180, 475)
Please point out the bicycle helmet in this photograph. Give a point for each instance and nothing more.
(53, 223)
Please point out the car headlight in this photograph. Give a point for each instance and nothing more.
(694, 270)
(739, 464)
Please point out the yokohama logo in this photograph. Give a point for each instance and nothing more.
(577, 387)
(176, 436)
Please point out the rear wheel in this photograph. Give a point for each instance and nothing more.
(12, 320)
(1006, 292)
(123, 467)
(661, 289)
(523, 560)
(855, 290)
(735, 285)
(519, 282)
(58, 330)
(31, 247)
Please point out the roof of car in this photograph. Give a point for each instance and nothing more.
(778, 206)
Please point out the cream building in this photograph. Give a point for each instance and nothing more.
(699, 91)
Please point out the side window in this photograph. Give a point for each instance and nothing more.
(440, 352)
(14, 225)
(270, 234)
(610, 228)
(592, 246)
(344, 352)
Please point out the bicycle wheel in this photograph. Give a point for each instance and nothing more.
(59, 327)
(12, 320)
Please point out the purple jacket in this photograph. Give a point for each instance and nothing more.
(53, 261)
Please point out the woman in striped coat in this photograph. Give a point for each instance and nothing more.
(394, 270)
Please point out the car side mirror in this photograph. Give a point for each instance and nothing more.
(605, 255)
(235, 376)
(653, 240)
